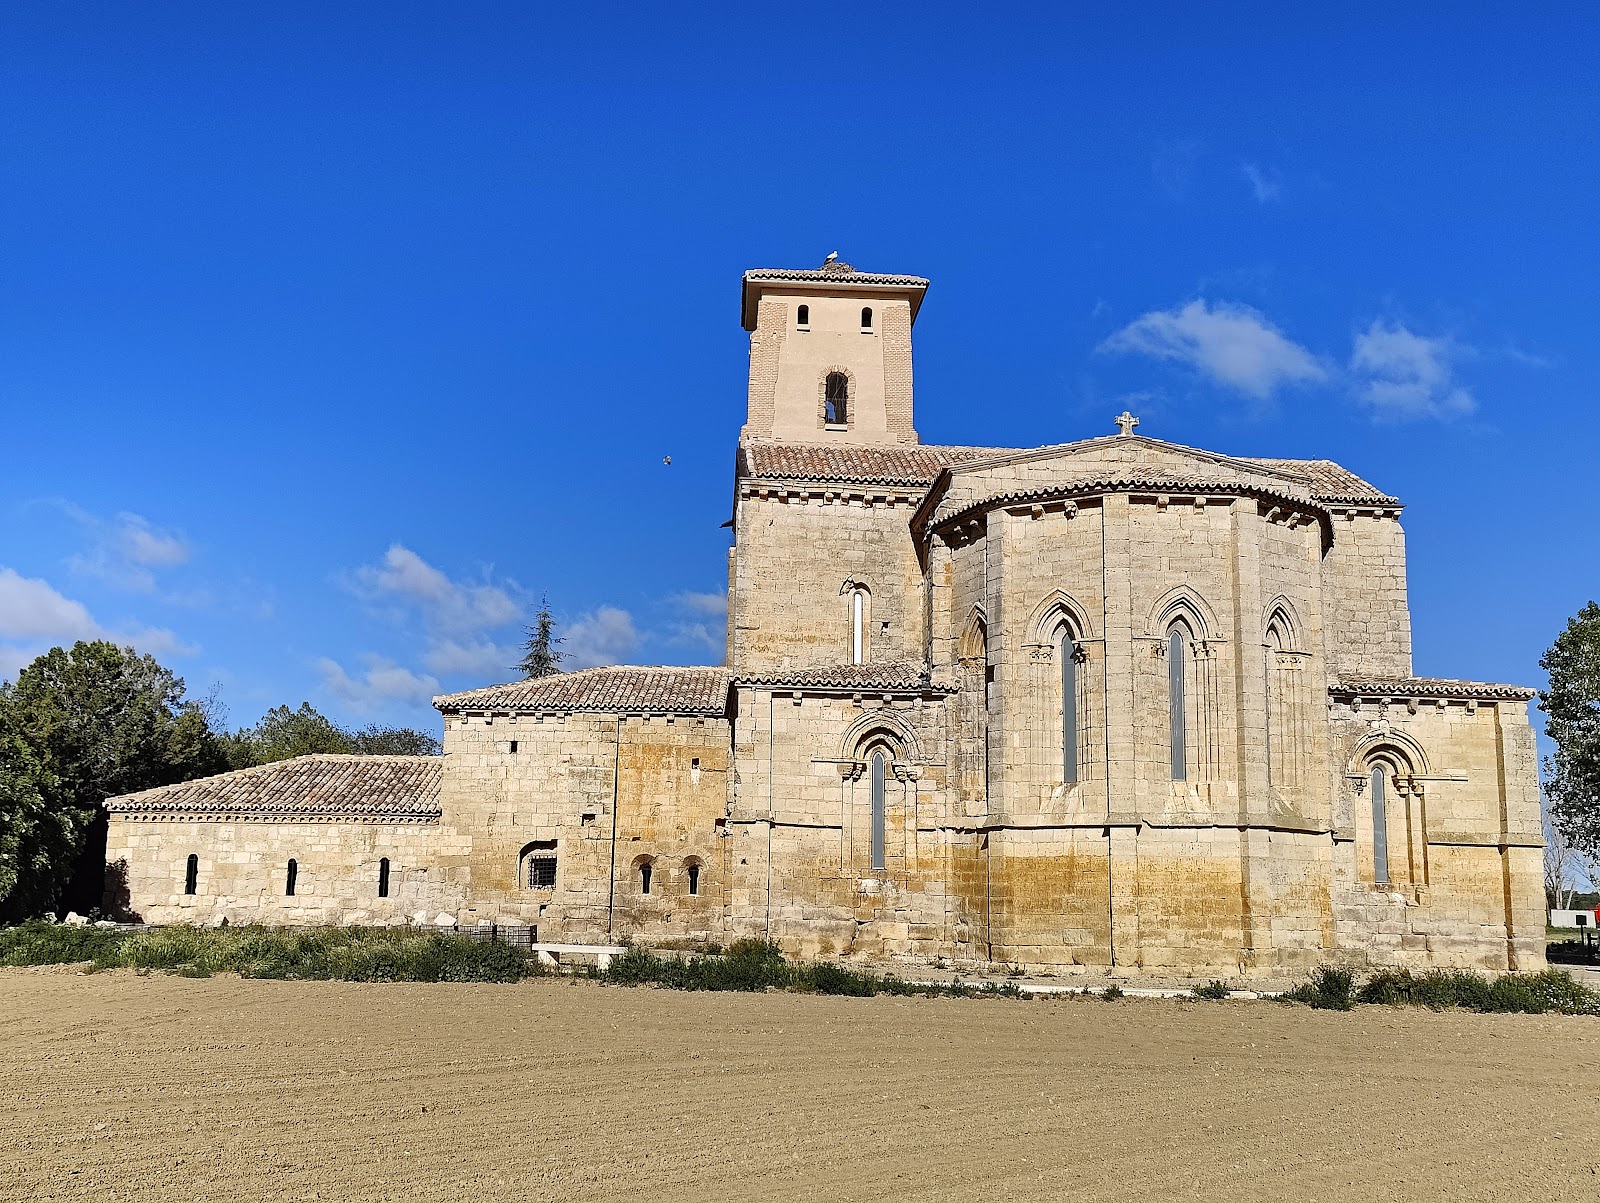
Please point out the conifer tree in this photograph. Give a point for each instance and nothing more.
(543, 653)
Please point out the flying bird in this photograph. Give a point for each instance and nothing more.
(666, 459)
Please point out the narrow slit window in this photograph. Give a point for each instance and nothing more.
(383, 878)
(694, 879)
(1380, 828)
(802, 316)
(836, 399)
(646, 872)
(858, 626)
(513, 747)
(1176, 712)
(1069, 709)
(290, 877)
(191, 874)
(880, 764)
(866, 320)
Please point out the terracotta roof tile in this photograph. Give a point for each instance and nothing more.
(911, 465)
(616, 688)
(916, 465)
(1428, 687)
(1331, 482)
(833, 273)
(895, 676)
(371, 788)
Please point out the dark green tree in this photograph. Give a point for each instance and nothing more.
(542, 649)
(81, 726)
(1572, 720)
(283, 733)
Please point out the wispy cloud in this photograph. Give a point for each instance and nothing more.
(1399, 374)
(701, 621)
(127, 550)
(380, 684)
(1233, 345)
(603, 636)
(1265, 183)
(447, 605)
(473, 657)
(34, 617)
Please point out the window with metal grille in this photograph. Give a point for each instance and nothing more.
(539, 865)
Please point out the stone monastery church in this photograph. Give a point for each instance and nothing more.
(1110, 706)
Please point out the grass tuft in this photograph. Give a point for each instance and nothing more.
(1212, 991)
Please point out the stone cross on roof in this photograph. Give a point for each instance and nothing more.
(1126, 422)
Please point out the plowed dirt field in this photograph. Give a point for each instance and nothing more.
(115, 1086)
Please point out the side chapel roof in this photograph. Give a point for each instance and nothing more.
(655, 690)
(320, 786)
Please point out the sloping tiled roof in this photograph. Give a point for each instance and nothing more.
(916, 465)
(613, 689)
(373, 788)
(1331, 482)
(1428, 687)
(836, 272)
(895, 676)
(911, 465)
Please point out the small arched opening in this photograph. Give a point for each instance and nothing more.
(191, 874)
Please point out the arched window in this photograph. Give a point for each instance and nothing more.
(866, 320)
(290, 877)
(191, 874)
(383, 878)
(1069, 707)
(1176, 649)
(880, 766)
(858, 626)
(646, 872)
(693, 869)
(836, 399)
(1380, 826)
(802, 316)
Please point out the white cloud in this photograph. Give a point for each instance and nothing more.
(35, 617)
(1266, 185)
(1401, 374)
(1234, 345)
(605, 636)
(704, 622)
(451, 606)
(126, 550)
(381, 683)
(477, 657)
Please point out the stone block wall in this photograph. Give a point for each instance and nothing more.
(242, 870)
(1369, 616)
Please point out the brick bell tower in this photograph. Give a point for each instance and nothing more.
(830, 354)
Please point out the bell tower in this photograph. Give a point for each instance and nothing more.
(830, 354)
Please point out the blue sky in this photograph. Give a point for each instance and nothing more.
(333, 336)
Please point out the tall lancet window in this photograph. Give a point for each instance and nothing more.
(880, 766)
(1380, 827)
(1069, 708)
(1176, 704)
(858, 626)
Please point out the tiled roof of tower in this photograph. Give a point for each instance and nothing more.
(613, 689)
(1429, 687)
(1331, 482)
(371, 788)
(894, 676)
(834, 273)
(915, 465)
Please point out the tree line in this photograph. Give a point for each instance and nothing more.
(83, 724)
